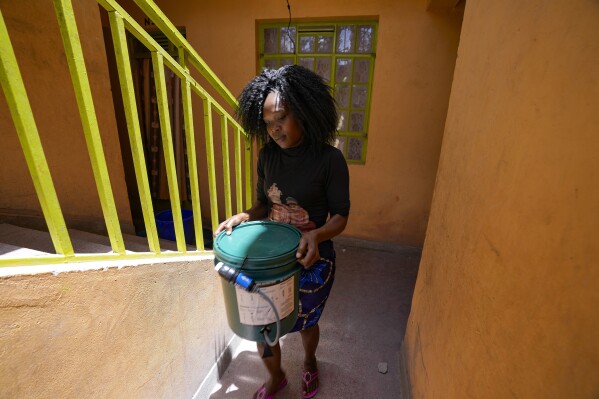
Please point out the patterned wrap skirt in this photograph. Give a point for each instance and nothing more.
(314, 288)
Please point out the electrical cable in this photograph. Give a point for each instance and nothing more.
(274, 308)
(289, 27)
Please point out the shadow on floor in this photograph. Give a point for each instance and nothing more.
(363, 325)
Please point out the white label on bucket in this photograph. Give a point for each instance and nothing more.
(255, 311)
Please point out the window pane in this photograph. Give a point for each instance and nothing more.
(354, 149)
(270, 41)
(323, 68)
(342, 125)
(345, 39)
(287, 61)
(342, 96)
(288, 40)
(307, 44)
(361, 70)
(356, 122)
(270, 63)
(343, 73)
(358, 96)
(307, 63)
(343, 54)
(340, 143)
(364, 40)
(325, 44)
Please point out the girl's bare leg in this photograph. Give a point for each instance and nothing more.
(273, 366)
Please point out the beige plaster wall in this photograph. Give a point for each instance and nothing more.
(506, 300)
(35, 36)
(416, 53)
(138, 332)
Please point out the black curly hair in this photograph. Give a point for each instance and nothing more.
(304, 93)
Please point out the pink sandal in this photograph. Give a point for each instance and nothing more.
(308, 378)
(262, 394)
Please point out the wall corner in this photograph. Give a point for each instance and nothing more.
(404, 376)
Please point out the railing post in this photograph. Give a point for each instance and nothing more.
(190, 144)
(210, 162)
(249, 180)
(238, 169)
(117, 28)
(167, 148)
(22, 115)
(74, 55)
(224, 132)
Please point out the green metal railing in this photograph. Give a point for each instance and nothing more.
(121, 23)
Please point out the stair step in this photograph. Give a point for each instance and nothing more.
(41, 241)
(130, 246)
(132, 243)
(21, 242)
(7, 250)
(165, 245)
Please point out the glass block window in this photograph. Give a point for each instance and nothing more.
(343, 54)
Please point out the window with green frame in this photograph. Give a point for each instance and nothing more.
(343, 54)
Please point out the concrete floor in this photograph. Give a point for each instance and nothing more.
(362, 326)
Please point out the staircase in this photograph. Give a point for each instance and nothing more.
(82, 314)
(22, 242)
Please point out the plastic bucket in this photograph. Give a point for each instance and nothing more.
(166, 226)
(264, 251)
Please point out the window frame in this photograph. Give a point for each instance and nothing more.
(328, 28)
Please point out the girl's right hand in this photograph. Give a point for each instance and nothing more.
(232, 222)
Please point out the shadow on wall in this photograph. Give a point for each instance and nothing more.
(222, 356)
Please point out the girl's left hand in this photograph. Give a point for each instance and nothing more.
(307, 251)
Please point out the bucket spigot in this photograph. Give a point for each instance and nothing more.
(234, 276)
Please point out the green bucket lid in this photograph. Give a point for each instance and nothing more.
(258, 245)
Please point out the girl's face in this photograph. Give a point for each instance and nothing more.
(280, 123)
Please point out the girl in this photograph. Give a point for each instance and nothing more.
(302, 180)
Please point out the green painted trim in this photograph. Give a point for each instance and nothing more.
(210, 162)
(167, 148)
(191, 156)
(22, 115)
(224, 132)
(238, 167)
(278, 57)
(166, 26)
(74, 55)
(119, 38)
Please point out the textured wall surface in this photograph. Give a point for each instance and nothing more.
(506, 300)
(149, 331)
